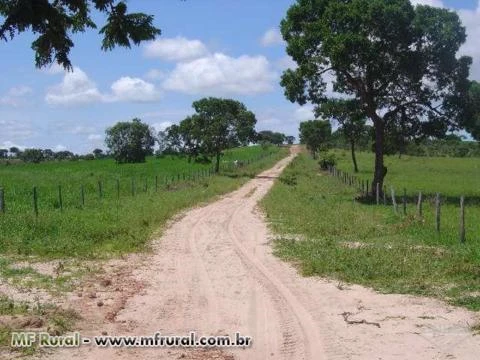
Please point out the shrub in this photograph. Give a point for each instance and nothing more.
(327, 160)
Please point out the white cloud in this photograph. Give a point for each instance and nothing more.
(9, 144)
(471, 20)
(134, 89)
(54, 69)
(304, 113)
(175, 49)
(285, 63)
(161, 126)
(15, 129)
(437, 3)
(60, 147)
(16, 96)
(218, 74)
(75, 88)
(272, 37)
(155, 74)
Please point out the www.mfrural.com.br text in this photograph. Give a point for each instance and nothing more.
(157, 340)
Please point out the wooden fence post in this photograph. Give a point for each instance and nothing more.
(377, 192)
(394, 200)
(145, 186)
(156, 183)
(462, 220)
(437, 212)
(385, 195)
(2, 201)
(404, 201)
(419, 204)
(60, 199)
(35, 201)
(368, 189)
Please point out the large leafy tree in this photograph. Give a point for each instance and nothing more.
(55, 21)
(130, 142)
(315, 134)
(217, 125)
(389, 56)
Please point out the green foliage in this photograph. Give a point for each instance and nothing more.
(110, 225)
(471, 120)
(218, 125)
(315, 134)
(328, 159)
(130, 142)
(379, 53)
(32, 156)
(370, 245)
(54, 22)
(271, 137)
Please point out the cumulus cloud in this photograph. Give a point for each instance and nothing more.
(272, 37)
(77, 88)
(16, 96)
(218, 74)
(471, 20)
(134, 89)
(9, 144)
(94, 137)
(175, 49)
(304, 113)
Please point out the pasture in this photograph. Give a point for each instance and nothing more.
(327, 232)
(105, 208)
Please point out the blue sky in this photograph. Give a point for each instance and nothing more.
(207, 48)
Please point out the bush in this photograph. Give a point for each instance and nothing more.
(327, 160)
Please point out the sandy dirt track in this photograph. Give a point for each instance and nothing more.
(213, 272)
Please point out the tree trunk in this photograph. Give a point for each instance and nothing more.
(380, 169)
(217, 163)
(354, 158)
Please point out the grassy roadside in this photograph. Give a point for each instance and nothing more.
(326, 233)
(110, 227)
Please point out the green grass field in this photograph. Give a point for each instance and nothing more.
(110, 224)
(326, 232)
(448, 176)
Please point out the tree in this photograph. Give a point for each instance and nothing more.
(389, 56)
(130, 142)
(314, 134)
(48, 154)
(15, 151)
(218, 124)
(55, 21)
(98, 153)
(290, 139)
(32, 156)
(271, 137)
(3, 153)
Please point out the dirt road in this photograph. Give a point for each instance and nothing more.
(213, 272)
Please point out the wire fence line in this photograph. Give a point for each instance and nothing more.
(399, 202)
(66, 196)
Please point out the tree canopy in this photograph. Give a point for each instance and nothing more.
(56, 21)
(472, 116)
(315, 135)
(130, 142)
(217, 125)
(389, 56)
